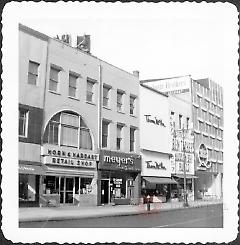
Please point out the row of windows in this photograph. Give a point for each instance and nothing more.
(119, 138)
(207, 104)
(72, 88)
(181, 123)
(215, 155)
(69, 129)
(204, 127)
(206, 116)
(213, 93)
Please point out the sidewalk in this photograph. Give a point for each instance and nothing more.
(75, 212)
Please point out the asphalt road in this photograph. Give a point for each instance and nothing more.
(204, 217)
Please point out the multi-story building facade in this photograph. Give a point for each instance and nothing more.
(207, 110)
(182, 144)
(155, 143)
(78, 126)
(205, 99)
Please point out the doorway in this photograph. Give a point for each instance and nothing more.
(66, 190)
(104, 191)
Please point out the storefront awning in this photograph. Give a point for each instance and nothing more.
(160, 180)
(68, 172)
(30, 169)
(187, 176)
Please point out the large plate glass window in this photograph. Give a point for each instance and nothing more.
(68, 129)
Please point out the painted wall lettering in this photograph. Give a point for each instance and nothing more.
(154, 120)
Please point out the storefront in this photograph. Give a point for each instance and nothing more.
(70, 176)
(29, 176)
(119, 177)
(156, 177)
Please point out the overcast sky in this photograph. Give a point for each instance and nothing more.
(159, 40)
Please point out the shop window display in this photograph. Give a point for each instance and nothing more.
(27, 188)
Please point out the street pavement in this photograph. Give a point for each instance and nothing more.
(210, 216)
(75, 212)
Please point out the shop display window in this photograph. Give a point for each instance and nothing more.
(118, 187)
(51, 185)
(85, 186)
(27, 188)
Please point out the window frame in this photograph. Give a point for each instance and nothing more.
(26, 119)
(120, 103)
(132, 106)
(72, 87)
(92, 92)
(132, 146)
(106, 122)
(51, 80)
(119, 139)
(33, 74)
(107, 97)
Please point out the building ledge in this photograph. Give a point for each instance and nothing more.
(196, 105)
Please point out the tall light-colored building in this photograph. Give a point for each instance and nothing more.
(78, 126)
(204, 105)
(155, 143)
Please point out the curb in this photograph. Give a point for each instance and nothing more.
(123, 213)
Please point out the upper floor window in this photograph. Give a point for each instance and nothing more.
(23, 122)
(72, 85)
(132, 139)
(132, 104)
(90, 90)
(68, 129)
(105, 125)
(120, 100)
(119, 136)
(32, 72)
(53, 81)
(180, 121)
(85, 137)
(187, 122)
(106, 92)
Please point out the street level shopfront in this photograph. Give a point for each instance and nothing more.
(119, 177)
(70, 176)
(156, 177)
(29, 176)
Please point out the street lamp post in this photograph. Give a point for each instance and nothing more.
(185, 201)
(183, 133)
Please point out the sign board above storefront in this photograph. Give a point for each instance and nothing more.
(119, 161)
(155, 164)
(68, 157)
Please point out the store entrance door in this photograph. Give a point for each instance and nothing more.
(66, 190)
(104, 191)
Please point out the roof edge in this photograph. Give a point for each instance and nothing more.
(153, 89)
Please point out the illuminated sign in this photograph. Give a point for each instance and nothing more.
(203, 157)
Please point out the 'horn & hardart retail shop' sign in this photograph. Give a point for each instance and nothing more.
(67, 157)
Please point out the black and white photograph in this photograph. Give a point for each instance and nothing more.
(120, 116)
